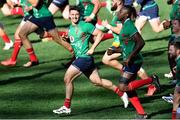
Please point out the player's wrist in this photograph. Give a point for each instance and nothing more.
(108, 26)
(92, 16)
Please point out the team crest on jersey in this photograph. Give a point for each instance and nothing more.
(71, 38)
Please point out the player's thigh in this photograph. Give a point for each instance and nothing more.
(27, 28)
(155, 22)
(65, 12)
(53, 8)
(140, 21)
(95, 78)
(6, 10)
(71, 73)
(107, 58)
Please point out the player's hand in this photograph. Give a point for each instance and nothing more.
(174, 69)
(127, 62)
(65, 35)
(90, 52)
(87, 19)
(104, 23)
(27, 8)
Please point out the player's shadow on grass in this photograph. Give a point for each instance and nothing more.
(93, 110)
(30, 77)
(163, 111)
(157, 39)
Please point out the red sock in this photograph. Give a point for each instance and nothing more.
(67, 102)
(6, 38)
(17, 11)
(118, 92)
(62, 33)
(103, 4)
(151, 86)
(32, 55)
(17, 47)
(173, 115)
(107, 36)
(137, 105)
(139, 83)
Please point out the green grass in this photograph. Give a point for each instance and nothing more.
(35, 92)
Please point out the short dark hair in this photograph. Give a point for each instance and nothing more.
(177, 44)
(74, 8)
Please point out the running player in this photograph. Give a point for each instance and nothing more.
(22, 33)
(112, 54)
(5, 38)
(149, 11)
(132, 43)
(18, 42)
(79, 35)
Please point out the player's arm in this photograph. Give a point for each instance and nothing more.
(99, 35)
(139, 43)
(116, 29)
(97, 6)
(34, 3)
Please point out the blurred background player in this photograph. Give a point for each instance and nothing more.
(175, 51)
(41, 18)
(5, 38)
(149, 11)
(18, 42)
(80, 34)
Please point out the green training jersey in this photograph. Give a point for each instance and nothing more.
(178, 70)
(175, 38)
(42, 11)
(24, 3)
(86, 7)
(127, 42)
(114, 22)
(79, 36)
(175, 11)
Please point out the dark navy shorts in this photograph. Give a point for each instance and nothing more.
(85, 65)
(132, 69)
(2, 2)
(46, 23)
(60, 3)
(150, 13)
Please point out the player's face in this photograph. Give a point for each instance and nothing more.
(122, 15)
(114, 5)
(172, 51)
(74, 16)
(176, 26)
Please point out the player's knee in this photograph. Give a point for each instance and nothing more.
(123, 84)
(157, 30)
(105, 60)
(97, 83)
(67, 80)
